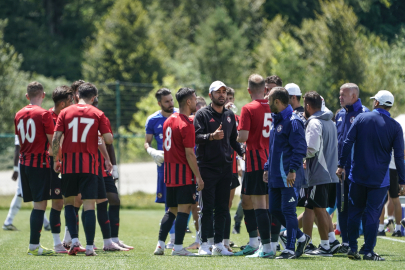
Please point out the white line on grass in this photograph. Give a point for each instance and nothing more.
(387, 238)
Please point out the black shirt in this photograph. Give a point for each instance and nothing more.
(300, 109)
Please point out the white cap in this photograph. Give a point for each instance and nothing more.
(293, 89)
(216, 85)
(384, 97)
(323, 104)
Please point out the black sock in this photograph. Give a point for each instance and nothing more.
(77, 218)
(103, 221)
(227, 230)
(71, 220)
(54, 220)
(36, 222)
(114, 215)
(263, 222)
(250, 222)
(275, 229)
(90, 226)
(165, 225)
(180, 227)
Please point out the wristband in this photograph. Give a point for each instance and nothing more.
(292, 171)
(16, 168)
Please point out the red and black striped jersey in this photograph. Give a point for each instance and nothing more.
(178, 134)
(54, 115)
(234, 162)
(32, 124)
(80, 124)
(256, 118)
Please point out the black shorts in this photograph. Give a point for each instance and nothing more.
(321, 196)
(56, 182)
(84, 183)
(109, 184)
(235, 181)
(35, 183)
(180, 195)
(253, 184)
(302, 197)
(101, 193)
(394, 184)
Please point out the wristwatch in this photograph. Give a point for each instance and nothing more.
(291, 171)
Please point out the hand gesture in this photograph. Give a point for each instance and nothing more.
(57, 166)
(266, 176)
(219, 133)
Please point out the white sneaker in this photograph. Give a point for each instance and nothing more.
(220, 250)
(182, 252)
(204, 249)
(114, 247)
(170, 245)
(159, 251)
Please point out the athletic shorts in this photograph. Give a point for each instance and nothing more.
(302, 197)
(160, 188)
(253, 184)
(35, 183)
(101, 192)
(109, 184)
(56, 182)
(180, 195)
(321, 196)
(84, 183)
(394, 184)
(235, 181)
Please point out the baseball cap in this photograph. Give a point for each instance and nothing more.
(216, 85)
(293, 89)
(384, 97)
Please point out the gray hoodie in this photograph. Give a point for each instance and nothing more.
(322, 151)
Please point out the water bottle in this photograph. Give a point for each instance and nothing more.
(233, 108)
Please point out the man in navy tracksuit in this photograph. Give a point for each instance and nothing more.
(369, 174)
(287, 150)
(351, 107)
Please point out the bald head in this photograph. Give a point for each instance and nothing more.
(256, 84)
(349, 94)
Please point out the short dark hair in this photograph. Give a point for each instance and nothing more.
(87, 91)
(256, 82)
(274, 79)
(313, 99)
(162, 92)
(34, 89)
(75, 85)
(201, 101)
(230, 91)
(281, 94)
(184, 94)
(298, 97)
(61, 93)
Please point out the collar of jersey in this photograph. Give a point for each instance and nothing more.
(283, 114)
(355, 107)
(382, 111)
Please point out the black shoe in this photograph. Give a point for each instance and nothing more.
(382, 233)
(301, 246)
(353, 255)
(310, 247)
(334, 247)
(278, 247)
(373, 257)
(236, 228)
(397, 234)
(286, 255)
(242, 247)
(283, 240)
(361, 251)
(403, 223)
(188, 230)
(321, 251)
(343, 249)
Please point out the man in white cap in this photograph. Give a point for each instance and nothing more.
(295, 94)
(369, 175)
(216, 133)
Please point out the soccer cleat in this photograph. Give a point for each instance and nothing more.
(243, 247)
(283, 240)
(114, 247)
(60, 249)
(285, 254)
(301, 246)
(390, 225)
(194, 245)
(382, 233)
(66, 245)
(182, 252)
(170, 245)
(344, 249)
(41, 251)
(159, 251)
(94, 246)
(204, 249)
(397, 234)
(373, 257)
(310, 247)
(403, 223)
(260, 254)
(321, 251)
(74, 249)
(9, 227)
(47, 227)
(334, 247)
(121, 244)
(220, 250)
(248, 250)
(90, 252)
(361, 251)
(236, 228)
(228, 248)
(353, 255)
(337, 232)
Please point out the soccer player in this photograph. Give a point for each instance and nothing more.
(34, 127)
(254, 129)
(216, 135)
(287, 148)
(351, 108)
(271, 82)
(181, 172)
(369, 173)
(80, 125)
(154, 129)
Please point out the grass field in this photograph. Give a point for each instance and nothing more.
(140, 229)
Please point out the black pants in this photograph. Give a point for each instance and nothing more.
(215, 195)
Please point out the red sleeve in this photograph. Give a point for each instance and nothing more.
(47, 121)
(104, 126)
(59, 123)
(244, 120)
(188, 135)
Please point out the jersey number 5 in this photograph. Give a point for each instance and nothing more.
(30, 124)
(75, 125)
(267, 123)
(168, 141)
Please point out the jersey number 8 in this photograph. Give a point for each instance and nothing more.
(168, 141)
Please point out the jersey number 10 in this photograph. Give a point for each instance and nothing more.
(30, 124)
(75, 125)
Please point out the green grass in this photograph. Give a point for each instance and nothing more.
(140, 228)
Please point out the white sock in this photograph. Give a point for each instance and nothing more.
(211, 241)
(56, 239)
(90, 248)
(391, 218)
(285, 233)
(380, 227)
(332, 237)
(254, 242)
(274, 246)
(161, 244)
(107, 242)
(178, 247)
(15, 206)
(266, 248)
(325, 244)
(301, 239)
(226, 242)
(289, 251)
(197, 238)
(75, 240)
(115, 239)
(172, 237)
(67, 238)
(397, 227)
(33, 246)
(345, 244)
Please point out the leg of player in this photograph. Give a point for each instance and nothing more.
(165, 225)
(12, 212)
(195, 208)
(172, 234)
(307, 226)
(36, 222)
(71, 224)
(55, 222)
(227, 231)
(114, 216)
(89, 225)
(323, 228)
(46, 223)
(183, 212)
(238, 217)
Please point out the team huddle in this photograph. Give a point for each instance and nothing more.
(289, 156)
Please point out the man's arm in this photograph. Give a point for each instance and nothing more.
(103, 151)
(108, 138)
(148, 141)
(234, 143)
(55, 149)
(313, 134)
(201, 134)
(16, 156)
(297, 141)
(157, 155)
(348, 144)
(192, 162)
(243, 136)
(399, 157)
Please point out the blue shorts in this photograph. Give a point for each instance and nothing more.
(161, 188)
